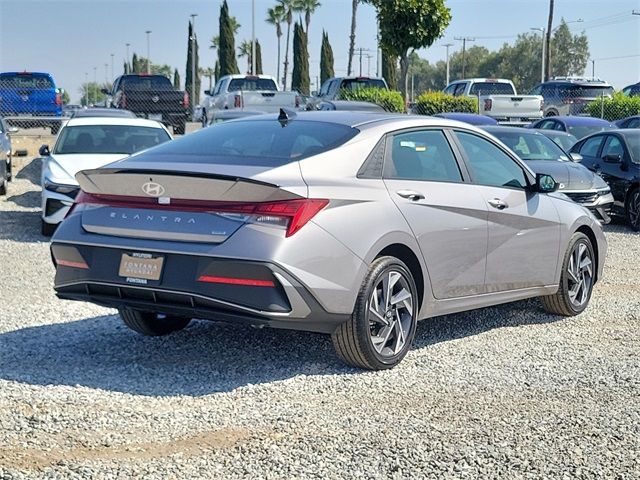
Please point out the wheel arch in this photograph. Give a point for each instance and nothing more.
(405, 254)
(585, 229)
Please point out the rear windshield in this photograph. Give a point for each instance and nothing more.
(26, 80)
(585, 91)
(564, 141)
(237, 84)
(531, 146)
(491, 88)
(582, 131)
(106, 139)
(254, 142)
(155, 82)
(356, 83)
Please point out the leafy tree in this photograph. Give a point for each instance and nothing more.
(390, 70)
(227, 49)
(244, 50)
(326, 59)
(422, 23)
(65, 97)
(258, 58)
(192, 62)
(308, 7)
(352, 34)
(176, 79)
(91, 91)
(135, 65)
(288, 7)
(275, 16)
(569, 53)
(216, 70)
(300, 75)
(209, 73)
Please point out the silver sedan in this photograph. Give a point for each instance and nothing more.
(352, 224)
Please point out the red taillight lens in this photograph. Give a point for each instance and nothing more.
(185, 100)
(58, 99)
(237, 101)
(292, 214)
(488, 103)
(247, 282)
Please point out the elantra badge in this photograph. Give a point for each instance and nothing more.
(153, 189)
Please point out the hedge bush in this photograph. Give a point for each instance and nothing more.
(615, 108)
(430, 103)
(390, 100)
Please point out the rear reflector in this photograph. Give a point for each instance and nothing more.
(72, 264)
(247, 282)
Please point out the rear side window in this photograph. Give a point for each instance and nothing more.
(26, 80)
(254, 142)
(591, 146)
(491, 88)
(423, 155)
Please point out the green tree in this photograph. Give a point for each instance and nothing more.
(176, 79)
(209, 73)
(275, 17)
(569, 53)
(258, 58)
(288, 6)
(300, 75)
(308, 7)
(422, 21)
(65, 97)
(192, 62)
(227, 49)
(216, 70)
(326, 59)
(135, 65)
(352, 34)
(126, 68)
(91, 91)
(390, 70)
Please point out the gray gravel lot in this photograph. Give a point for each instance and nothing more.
(505, 392)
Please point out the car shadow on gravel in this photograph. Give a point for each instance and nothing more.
(21, 226)
(31, 171)
(206, 357)
(29, 199)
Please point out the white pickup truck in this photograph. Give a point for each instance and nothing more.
(256, 93)
(497, 98)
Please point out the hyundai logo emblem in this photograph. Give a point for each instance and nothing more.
(155, 99)
(153, 189)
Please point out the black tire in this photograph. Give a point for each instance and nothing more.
(47, 229)
(353, 340)
(551, 113)
(560, 303)
(3, 186)
(632, 209)
(10, 169)
(152, 324)
(179, 129)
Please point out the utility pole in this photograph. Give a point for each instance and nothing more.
(464, 51)
(360, 54)
(593, 68)
(112, 67)
(547, 39)
(95, 85)
(148, 32)
(86, 89)
(253, 37)
(447, 45)
(193, 59)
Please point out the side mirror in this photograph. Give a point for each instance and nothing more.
(44, 151)
(207, 92)
(612, 159)
(576, 157)
(545, 183)
(105, 91)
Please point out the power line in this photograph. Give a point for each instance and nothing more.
(618, 58)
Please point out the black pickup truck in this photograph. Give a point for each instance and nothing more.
(151, 96)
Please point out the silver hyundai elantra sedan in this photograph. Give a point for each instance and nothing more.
(352, 224)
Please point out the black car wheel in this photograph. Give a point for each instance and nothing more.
(380, 331)
(632, 209)
(204, 118)
(152, 324)
(179, 129)
(3, 186)
(47, 229)
(576, 280)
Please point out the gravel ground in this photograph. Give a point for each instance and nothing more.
(505, 392)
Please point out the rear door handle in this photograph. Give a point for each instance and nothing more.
(410, 194)
(497, 203)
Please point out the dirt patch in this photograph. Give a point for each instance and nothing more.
(30, 143)
(35, 459)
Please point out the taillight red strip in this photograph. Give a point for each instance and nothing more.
(248, 282)
(72, 264)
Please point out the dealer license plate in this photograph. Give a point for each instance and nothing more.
(155, 116)
(142, 266)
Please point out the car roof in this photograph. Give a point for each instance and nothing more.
(134, 122)
(473, 118)
(546, 132)
(483, 79)
(576, 120)
(104, 112)
(505, 129)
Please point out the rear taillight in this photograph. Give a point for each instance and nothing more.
(289, 214)
(488, 103)
(237, 101)
(58, 99)
(185, 100)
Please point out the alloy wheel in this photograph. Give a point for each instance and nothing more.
(391, 313)
(580, 275)
(633, 209)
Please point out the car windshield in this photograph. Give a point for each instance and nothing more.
(581, 131)
(531, 146)
(491, 88)
(357, 83)
(254, 142)
(108, 139)
(564, 141)
(25, 80)
(250, 84)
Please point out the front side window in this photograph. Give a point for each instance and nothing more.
(423, 155)
(489, 165)
(531, 146)
(591, 146)
(613, 147)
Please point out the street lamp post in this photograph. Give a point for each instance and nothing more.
(447, 45)
(148, 32)
(193, 58)
(542, 30)
(127, 57)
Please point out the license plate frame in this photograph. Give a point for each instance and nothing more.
(141, 266)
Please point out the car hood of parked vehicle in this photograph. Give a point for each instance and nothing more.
(570, 175)
(63, 168)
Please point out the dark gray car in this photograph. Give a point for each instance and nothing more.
(544, 156)
(351, 224)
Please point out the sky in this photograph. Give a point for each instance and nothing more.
(74, 39)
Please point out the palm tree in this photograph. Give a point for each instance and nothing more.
(208, 72)
(288, 6)
(245, 49)
(275, 16)
(352, 37)
(308, 7)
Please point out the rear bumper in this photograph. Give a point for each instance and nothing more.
(283, 303)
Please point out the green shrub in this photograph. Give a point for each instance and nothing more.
(430, 103)
(615, 108)
(390, 100)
